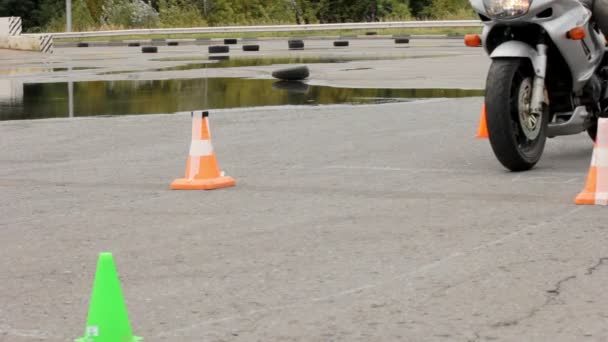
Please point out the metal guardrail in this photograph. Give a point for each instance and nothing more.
(274, 28)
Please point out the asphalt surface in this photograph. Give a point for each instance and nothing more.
(373, 223)
(425, 63)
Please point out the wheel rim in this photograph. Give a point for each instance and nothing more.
(521, 96)
(529, 122)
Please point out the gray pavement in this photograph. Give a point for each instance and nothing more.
(420, 64)
(348, 223)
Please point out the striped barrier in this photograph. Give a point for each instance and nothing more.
(11, 37)
(10, 26)
(41, 43)
(46, 43)
(15, 26)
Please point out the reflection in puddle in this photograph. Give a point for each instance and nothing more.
(11, 94)
(73, 69)
(292, 86)
(179, 59)
(47, 100)
(253, 61)
(214, 58)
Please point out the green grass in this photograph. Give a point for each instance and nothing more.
(328, 33)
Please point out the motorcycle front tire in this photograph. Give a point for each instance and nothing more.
(510, 145)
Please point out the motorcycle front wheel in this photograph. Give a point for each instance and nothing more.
(516, 135)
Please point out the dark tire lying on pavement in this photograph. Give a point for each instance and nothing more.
(149, 49)
(134, 44)
(219, 49)
(340, 43)
(295, 44)
(172, 43)
(371, 33)
(251, 48)
(292, 74)
(402, 40)
(230, 41)
(83, 45)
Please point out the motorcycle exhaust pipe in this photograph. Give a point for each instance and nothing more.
(578, 122)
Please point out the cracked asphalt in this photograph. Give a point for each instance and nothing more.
(348, 223)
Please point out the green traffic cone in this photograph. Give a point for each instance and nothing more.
(108, 320)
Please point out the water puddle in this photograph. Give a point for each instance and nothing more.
(223, 61)
(49, 100)
(252, 61)
(73, 69)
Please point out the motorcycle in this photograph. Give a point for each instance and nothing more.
(547, 75)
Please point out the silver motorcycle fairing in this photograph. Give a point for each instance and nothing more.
(582, 56)
(515, 48)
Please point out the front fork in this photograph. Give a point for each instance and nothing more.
(538, 86)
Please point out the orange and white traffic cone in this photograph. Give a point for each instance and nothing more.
(596, 190)
(202, 170)
(482, 131)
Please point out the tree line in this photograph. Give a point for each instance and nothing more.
(49, 15)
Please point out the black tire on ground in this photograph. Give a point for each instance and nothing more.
(297, 73)
(295, 44)
(219, 49)
(134, 44)
(173, 43)
(149, 49)
(402, 40)
(341, 43)
(251, 48)
(371, 33)
(83, 45)
(230, 41)
(510, 144)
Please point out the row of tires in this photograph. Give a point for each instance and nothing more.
(212, 49)
(293, 44)
(226, 49)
